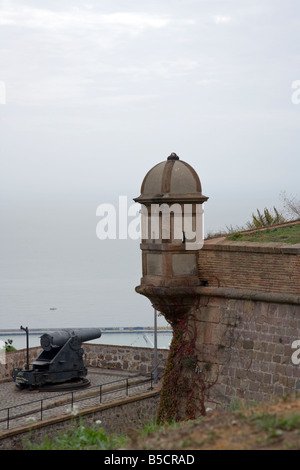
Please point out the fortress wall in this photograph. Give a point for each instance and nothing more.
(247, 320)
(244, 348)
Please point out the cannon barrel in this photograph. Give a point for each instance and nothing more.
(57, 339)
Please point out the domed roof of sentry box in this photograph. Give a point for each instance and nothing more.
(171, 180)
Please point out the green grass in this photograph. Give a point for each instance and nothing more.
(289, 234)
(93, 437)
(274, 425)
(272, 422)
(80, 437)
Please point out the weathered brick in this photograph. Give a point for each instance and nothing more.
(260, 268)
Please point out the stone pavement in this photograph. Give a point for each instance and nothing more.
(27, 406)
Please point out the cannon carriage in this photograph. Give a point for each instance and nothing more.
(60, 365)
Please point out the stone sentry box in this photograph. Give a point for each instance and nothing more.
(171, 199)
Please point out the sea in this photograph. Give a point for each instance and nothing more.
(143, 337)
(55, 273)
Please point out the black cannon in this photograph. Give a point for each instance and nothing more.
(60, 365)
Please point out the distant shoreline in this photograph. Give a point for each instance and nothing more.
(127, 329)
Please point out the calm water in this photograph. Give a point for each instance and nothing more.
(122, 339)
(51, 258)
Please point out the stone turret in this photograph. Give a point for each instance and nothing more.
(172, 234)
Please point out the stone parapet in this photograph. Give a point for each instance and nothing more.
(264, 267)
(125, 358)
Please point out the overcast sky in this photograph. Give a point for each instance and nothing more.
(98, 92)
(93, 94)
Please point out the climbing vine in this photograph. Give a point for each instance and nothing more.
(179, 398)
(171, 383)
(187, 378)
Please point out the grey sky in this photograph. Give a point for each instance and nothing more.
(99, 92)
(96, 93)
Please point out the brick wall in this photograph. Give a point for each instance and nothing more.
(269, 267)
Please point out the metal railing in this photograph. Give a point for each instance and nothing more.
(97, 393)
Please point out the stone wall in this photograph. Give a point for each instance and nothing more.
(233, 345)
(126, 358)
(244, 347)
(14, 359)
